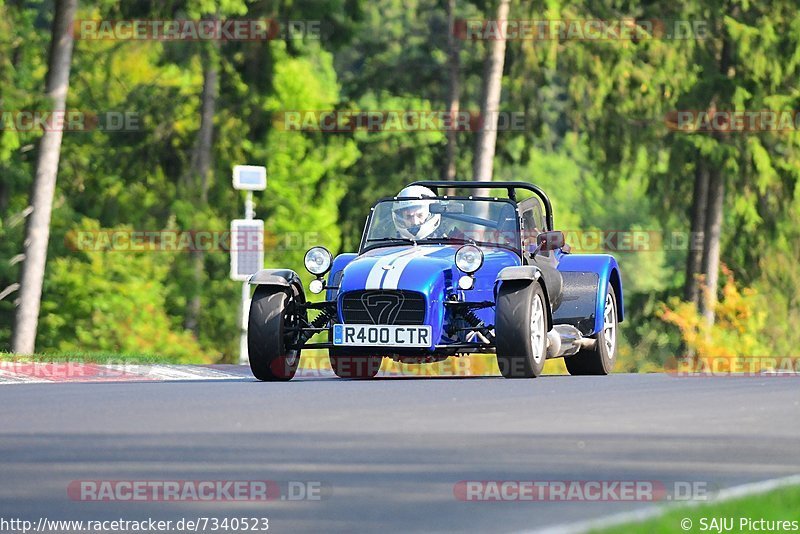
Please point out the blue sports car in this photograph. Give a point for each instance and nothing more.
(440, 275)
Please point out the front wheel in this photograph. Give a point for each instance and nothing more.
(272, 333)
(601, 359)
(521, 330)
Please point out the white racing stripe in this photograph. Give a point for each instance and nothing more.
(376, 273)
(393, 277)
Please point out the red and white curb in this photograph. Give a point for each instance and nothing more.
(23, 372)
(17, 372)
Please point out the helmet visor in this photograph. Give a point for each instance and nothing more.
(412, 216)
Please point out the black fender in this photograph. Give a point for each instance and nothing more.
(276, 277)
(550, 282)
(519, 272)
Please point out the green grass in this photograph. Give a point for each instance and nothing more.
(778, 505)
(89, 357)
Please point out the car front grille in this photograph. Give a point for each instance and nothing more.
(383, 307)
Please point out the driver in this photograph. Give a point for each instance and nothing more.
(413, 218)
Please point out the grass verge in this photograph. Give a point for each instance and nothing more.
(738, 515)
(110, 358)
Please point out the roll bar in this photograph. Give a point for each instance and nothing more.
(511, 187)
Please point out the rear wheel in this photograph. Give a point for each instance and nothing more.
(601, 359)
(272, 332)
(347, 366)
(521, 330)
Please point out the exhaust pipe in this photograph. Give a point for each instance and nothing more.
(566, 340)
(553, 344)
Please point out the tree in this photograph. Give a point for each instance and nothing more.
(38, 225)
(490, 104)
(694, 259)
(715, 192)
(748, 66)
(453, 98)
(201, 167)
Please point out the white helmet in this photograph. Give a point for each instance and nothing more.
(413, 218)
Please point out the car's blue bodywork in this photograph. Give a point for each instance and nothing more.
(607, 271)
(426, 269)
(462, 320)
(431, 270)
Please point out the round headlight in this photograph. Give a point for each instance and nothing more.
(318, 260)
(469, 258)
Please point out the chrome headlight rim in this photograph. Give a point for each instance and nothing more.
(318, 260)
(469, 259)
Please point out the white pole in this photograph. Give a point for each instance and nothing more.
(244, 357)
(249, 207)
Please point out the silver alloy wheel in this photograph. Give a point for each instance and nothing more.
(609, 326)
(538, 329)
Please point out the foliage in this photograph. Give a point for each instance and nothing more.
(305, 171)
(737, 332)
(112, 301)
(594, 138)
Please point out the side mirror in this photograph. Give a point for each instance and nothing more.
(550, 240)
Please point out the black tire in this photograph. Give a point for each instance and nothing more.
(272, 312)
(349, 366)
(519, 354)
(601, 359)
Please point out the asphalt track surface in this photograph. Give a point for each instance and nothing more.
(389, 451)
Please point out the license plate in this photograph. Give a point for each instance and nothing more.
(367, 335)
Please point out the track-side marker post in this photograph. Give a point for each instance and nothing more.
(247, 243)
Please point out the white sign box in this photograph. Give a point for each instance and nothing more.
(249, 178)
(247, 248)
